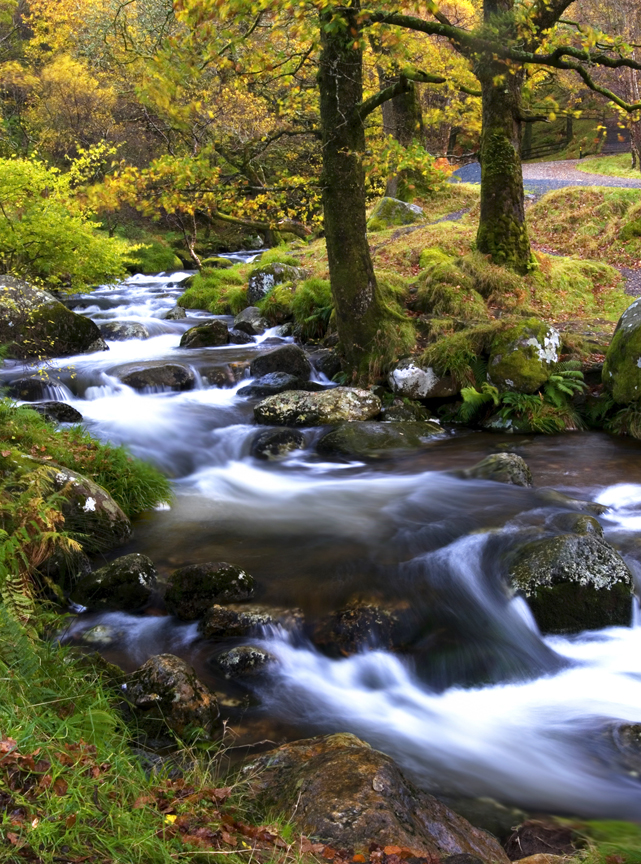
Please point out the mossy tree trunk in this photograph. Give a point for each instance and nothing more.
(502, 232)
(358, 303)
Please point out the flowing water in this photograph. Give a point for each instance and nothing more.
(481, 704)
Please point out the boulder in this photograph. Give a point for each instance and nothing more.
(286, 358)
(622, 367)
(276, 443)
(576, 523)
(502, 468)
(225, 622)
(125, 585)
(28, 389)
(358, 627)
(209, 335)
(216, 262)
(120, 331)
(251, 321)
(540, 838)
(413, 381)
(339, 789)
(298, 408)
(34, 324)
(573, 582)
(167, 376)
(192, 590)
(263, 279)
(326, 361)
(521, 356)
(59, 412)
(404, 410)
(102, 636)
(65, 568)
(486, 813)
(165, 694)
(390, 213)
(243, 661)
(277, 382)
(225, 375)
(239, 337)
(175, 314)
(90, 511)
(370, 438)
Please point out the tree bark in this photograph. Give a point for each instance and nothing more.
(359, 306)
(502, 233)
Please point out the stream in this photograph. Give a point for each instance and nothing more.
(483, 705)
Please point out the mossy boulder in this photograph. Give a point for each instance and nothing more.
(192, 590)
(216, 262)
(502, 468)
(622, 367)
(275, 444)
(90, 511)
(166, 696)
(343, 792)
(34, 324)
(120, 331)
(175, 314)
(125, 585)
(251, 321)
(372, 439)
(573, 582)
(522, 354)
(263, 279)
(391, 212)
(210, 335)
(288, 358)
(300, 408)
(151, 376)
(444, 289)
(412, 380)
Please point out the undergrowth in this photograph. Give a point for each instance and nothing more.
(619, 165)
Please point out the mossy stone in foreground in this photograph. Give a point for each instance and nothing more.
(300, 408)
(573, 583)
(521, 355)
(622, 367)
(193, 589)
(502, 468)
(390, 212)
(209, 335)
(125, 585)
(375, 439)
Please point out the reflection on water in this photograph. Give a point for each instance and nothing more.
(478, 702)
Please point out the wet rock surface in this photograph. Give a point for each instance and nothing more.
(192, 590)
(340, 790)
(58, 412)
(287, 358)
(120, 331)
(168, 376)
(250, 321)
(358, 627)
(371, 438)
(224, 622)
(166, 695)
(239, 337)
(276, 443)
(244, 661)
(209, 335)
(125, 585)
(573, 583)
(326, 361)
(276, 382)
(175, 314)
(298, 408)
(28, 389)
(502, 468)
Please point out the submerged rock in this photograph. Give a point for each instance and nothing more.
(59, 412)
(251, 321)
(175, 314)
(125, 585)
(276, 443)
(287, 358)
(209, 335)
(225, 622)
(34, 324)
(339, 789)
(622, 367)
(269, 385)
(502, 468)
(28, 389)
(120, 331)
(358, 627)
(166, 694)
(391, 212)
(239, 337)
(244, 661)
(168, 376)
(90, 510)
(263, 279)
(413, 381)
(192, 590)
(102, 636)
(522, 354)
(326, 361)
(573, 583)
(371, 438)
(298, 408)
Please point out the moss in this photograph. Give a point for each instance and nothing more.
(390, 213)
(458, 353)
(521, 355)
(631, 229)
(444, 289)
(370, 438)
(154, 257)
(622, 367)
(218, 291)
(276, 307)
(312, 306)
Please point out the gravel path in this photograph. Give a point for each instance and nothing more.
(540, 177)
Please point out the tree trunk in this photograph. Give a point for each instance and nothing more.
(635, 143)
(502, 233)
(402, 119)
(358, 304)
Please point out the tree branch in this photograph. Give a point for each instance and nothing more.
(371, 104)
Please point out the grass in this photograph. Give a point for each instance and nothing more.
(589, 222)
(135, 485)
(611, 166)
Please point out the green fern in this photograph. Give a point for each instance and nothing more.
(475, 402)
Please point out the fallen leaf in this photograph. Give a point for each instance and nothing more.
(70, 821)
(392, 850)
(142, 801)
(328, 853)
(60, 786)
